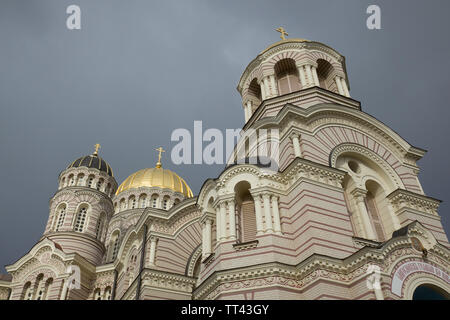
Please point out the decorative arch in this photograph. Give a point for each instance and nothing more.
(353, 148)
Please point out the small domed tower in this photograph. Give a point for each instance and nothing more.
(296, 71)
(81, 208)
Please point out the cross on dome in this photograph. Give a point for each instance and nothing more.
(283, 33)
(160, 150)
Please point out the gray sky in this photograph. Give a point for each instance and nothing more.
(137, 70)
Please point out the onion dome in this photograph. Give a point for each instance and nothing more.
(92, 161)
(156, 177)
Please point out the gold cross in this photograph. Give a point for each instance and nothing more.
(283, 32)
(160, 150)
(97, 146)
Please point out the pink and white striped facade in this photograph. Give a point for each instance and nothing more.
(346, 199)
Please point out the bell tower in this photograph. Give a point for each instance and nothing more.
(296, 71)
(81, 208)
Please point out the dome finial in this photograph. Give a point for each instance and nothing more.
(97, 146)
(160, 150)
(283, 33)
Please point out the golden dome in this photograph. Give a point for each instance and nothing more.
(156, 177)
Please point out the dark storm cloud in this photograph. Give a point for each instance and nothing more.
(137, 70)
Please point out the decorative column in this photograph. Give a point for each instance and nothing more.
(339, 85)
(296, 144)
(203, 239)
(152, 256)
(218, 227)
(345, 88)
(207, 238)
(359, 195)
(248, 110)
(258, 213)
(246, 116)
(276, 215)
(274, 85)
(266, 87)
(232, 219)
(263, 90)
(301, 72)
(309, 75)
(223, 220)
(315, 77)
(267, 213)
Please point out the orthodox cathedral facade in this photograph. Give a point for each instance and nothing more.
(344, 216)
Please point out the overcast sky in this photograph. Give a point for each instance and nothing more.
(137, 70)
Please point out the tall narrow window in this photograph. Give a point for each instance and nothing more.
(107, 294)
(80, 179)
(99, 227)
(40, 286)
(114, 245)
(61, 217)
(71, 180)
(99, 184)
(372, 209)
(247, 214)
(80, 219)
(97, 294)
(287, 75)
(90, 181)
(143, 201)
(48, 283)
(165, 203)
(27, 291)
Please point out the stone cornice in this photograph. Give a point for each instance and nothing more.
(403, 199)
(167, 280)
(347, 269)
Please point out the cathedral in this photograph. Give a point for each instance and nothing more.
(343, 216)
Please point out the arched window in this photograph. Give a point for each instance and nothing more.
(287, 76)
(39, 287)
(97, 294)
(254, 91)
(71, 180)
(154, 201)
(123, 204)
(374, 200)
(108, 188)
(366, 187)
(100, 224)
(430, 292)
(107, 294)
(247, 216)
(143, 201)
(165, 204)
(114, 245)
(80, 179)
(90, 181)
(131, 265)
(132, 202)
(176, 201)
(116, 207)
(99, 184)
(63, 182)
(80, 219)
(61, 212)
(27, 293)
(324, 69)
(48, 283)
